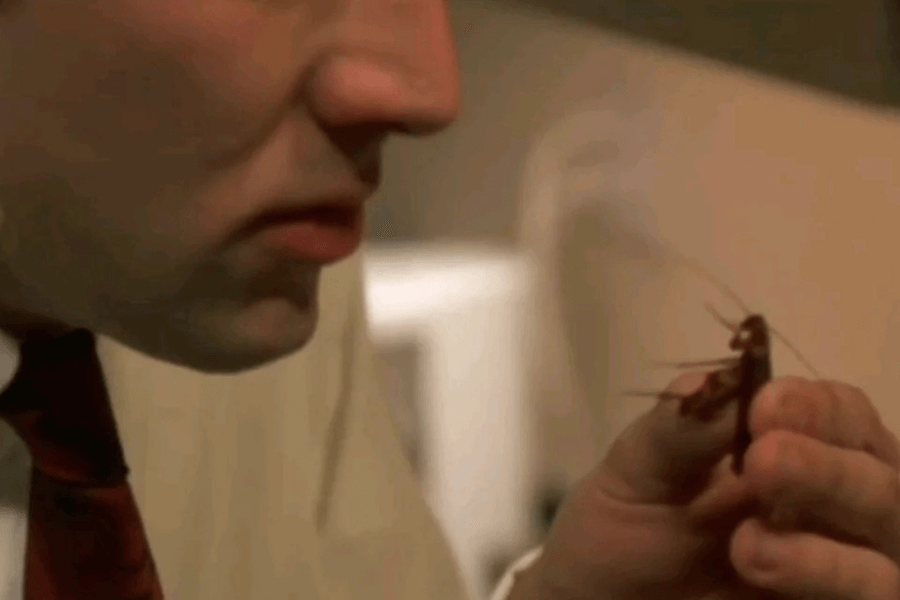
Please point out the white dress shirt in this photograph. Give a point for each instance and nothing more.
(505, 586)
(15, 471)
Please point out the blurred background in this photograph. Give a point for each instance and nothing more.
(525, 268)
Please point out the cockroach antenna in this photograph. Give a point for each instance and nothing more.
(711, 277)
(723, 287)
(731, 325)
(794, 351)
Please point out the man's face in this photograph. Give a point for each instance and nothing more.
(175, 173)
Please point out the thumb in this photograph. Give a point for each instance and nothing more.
(665, 456)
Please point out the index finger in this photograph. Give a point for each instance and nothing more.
(830, 411)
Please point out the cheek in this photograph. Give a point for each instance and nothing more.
(72, 254)
(126, 103)
(129, 80)
(54, 236)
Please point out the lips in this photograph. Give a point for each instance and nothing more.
(322, 233)
(340, 214)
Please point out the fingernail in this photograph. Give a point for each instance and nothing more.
(762, 553)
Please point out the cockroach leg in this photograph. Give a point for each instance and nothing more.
(664, 396)
(729, 361)
(718, 390)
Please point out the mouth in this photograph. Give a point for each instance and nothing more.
(319, 233)
(321, 230)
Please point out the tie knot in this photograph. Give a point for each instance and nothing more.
(59, 405)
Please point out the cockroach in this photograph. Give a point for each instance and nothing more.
(740, 377)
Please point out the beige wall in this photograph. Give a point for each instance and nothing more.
(788, 196)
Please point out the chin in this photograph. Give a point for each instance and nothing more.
(242, 356)
(239, 359)
(224, 341)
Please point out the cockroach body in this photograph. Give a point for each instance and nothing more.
(739, 380)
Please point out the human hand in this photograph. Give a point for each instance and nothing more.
(815, 513)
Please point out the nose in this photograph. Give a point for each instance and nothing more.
(392, 70)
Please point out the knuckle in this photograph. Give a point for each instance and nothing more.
(884, 508)
(774, 463)
(892, 494)
(880, 583)
(845, 389)
(851, 572)
(787, 403)
(833, 475)
(830, 566)
(838, 570)
(893, 450)
(852, 406)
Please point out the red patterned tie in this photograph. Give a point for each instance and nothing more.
(85, 537)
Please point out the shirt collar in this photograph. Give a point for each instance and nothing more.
(9, 359)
